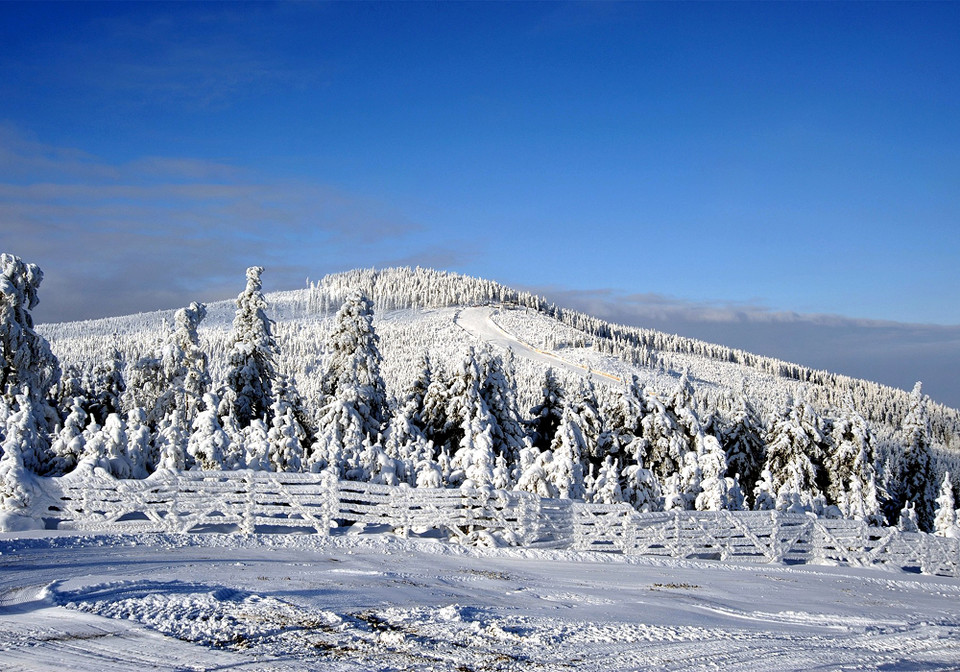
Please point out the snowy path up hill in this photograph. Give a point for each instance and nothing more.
(478, 322)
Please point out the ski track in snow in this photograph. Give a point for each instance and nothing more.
(206, 602)
(478, 322)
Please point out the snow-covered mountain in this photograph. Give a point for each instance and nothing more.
(791, 437)
(444, 381)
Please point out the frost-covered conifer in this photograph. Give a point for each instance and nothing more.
(946, 519)
(208, 442)
(666, 442)
(14, 495)
(850, 467)
(27, 365)
(339, 438)
(353, 363)
(740, 432)
(606, 488)
(141, 452)
(68, 445)
(569, 446)
(641, 486)
(107, 385)
(764, 498)
(794, 449)
(251, 372)
(236, 455)
(908, 518)
(546, 415)
(586, 407)
(256, 442)
(285, 437)
(474, 461)
(499, 393)
(623, 420)
(376, 466)
(673, 498)
(26, 418)
(114, 447)
(534, 467)
(405, 443)
(429, 474)
(172, 443)
(714, 486)
(919, 485)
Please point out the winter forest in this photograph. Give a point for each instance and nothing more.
(367, 375)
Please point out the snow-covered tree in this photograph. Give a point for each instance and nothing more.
(286, 438)
(850, 467)
(623, 418)
(569, 446)
(666, 440)
(68, 444)
(114, 447)
(499, 394)
(249, 386)
(107, 385)
(208, 442)
(353, 363)
(140, 449)
(946, 519)
(740, 432)
(764, 498)
(794, 450)
(14, 495)
(28, 367)
(533, 469)
(339, 438)
(714, 486)
(641, 486)
(606, 488)
(586, 407)
(172, 442)
(908, 518)
(256, 442)
(546, 415)
(918, 482)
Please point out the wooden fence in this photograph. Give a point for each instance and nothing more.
(250, 502)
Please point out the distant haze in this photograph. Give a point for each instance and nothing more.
(891, 353)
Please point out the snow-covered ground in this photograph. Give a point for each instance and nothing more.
(378, 602)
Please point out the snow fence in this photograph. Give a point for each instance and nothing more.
(249, 502)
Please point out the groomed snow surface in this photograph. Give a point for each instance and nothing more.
(379, 602)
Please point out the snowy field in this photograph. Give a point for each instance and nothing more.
(378, 602)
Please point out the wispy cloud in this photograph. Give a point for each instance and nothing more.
(115, 238)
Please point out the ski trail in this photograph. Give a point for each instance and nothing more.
(477, 322)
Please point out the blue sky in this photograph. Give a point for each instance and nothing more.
(734, 160)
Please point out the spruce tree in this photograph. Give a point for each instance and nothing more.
(569, 446)
(850, 467)
(208, 443)
(353, 362)
(946, 519)
(28, 369)
(919, 486)
(547, 414)
(249, 386)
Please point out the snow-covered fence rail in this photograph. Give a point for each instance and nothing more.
(771, 536)
(254, 501)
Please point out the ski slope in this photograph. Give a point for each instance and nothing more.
(377, 602)
(479, 323)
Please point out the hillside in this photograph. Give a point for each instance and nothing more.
(650, 402)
